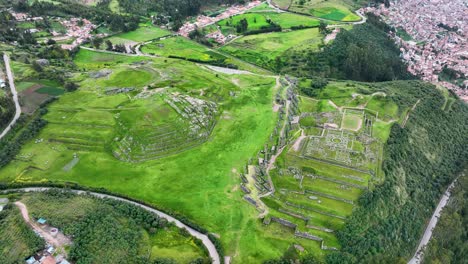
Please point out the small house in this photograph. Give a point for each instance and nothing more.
(42, 221)
(31, 260)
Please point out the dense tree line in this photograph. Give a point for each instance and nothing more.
(17, 240)
(10, 33)
(11, 144)
(110, 231)
(449, 243)
(7, 111)
(293, 256)
(420, 161)
(174, 11)
(364, 53)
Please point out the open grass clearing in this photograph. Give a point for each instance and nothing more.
(144, 32)
(336, 10)
(198, 183)
(262, 49)
(352, 120)
(258, 20)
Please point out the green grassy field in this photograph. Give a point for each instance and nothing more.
(144, 32)
(185, 48)
(263, 49)
(336, 10)
(200, 183)
(258, 20)
(181, 47)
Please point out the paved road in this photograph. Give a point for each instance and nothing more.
(418, 256)
(14, 93)
(204, 238)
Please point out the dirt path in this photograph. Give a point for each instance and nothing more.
(203, 237)
(408, 114)
(297, 144)
(14, 93)
(418, 256)
(59, 242)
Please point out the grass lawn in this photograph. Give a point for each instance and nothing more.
(262, 49)
(180, 47)
(336, 10)
(284, 4)
(258, 20)
(351, 121)
(144, 32)
(185, 48)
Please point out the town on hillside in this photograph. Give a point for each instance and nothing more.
(435, 41)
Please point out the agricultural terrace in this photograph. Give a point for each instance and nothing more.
(186, 49)
(336, 10)
(258, 20)
(263, 49)
(84, 143)
(333, 157)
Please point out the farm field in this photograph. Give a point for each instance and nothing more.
(336, 10)
(320, 175)
(179, 47)
(263, 49)
(258, 20)
(94, 125)
(145, 32)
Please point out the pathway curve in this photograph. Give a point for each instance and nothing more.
(418, 256)
(14, 93)
(204, 238)
(59, 242)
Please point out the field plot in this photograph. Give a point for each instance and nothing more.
(318, 183)
(336, 10)
(263, 49)
(143, 33)
(263, 19)
(182, 48)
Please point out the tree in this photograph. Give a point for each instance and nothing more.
(109, 45)
(51, 42)
(71, 86)
(37, 67)
(242, 26)
(323, 28)
(319, 83)
(97, 42)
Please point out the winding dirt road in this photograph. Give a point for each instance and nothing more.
(204, 238)
(15, 96)
(59, 242)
